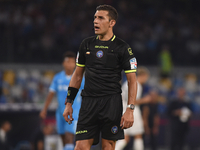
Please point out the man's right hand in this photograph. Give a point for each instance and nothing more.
(68, 112)
(43, 114)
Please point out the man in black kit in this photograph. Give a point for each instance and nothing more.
(179, 112)
(102, 57)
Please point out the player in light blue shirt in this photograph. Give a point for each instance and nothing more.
(59, 86)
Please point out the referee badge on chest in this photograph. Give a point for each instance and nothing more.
(114, 129)
(99, 54)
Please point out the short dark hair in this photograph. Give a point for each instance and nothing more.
(112, 12)
(69, 54)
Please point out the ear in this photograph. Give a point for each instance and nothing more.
(112, 23)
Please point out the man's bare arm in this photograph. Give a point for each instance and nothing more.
(75, 82)
(156, 121)
(77, 77)
(48, 100)
(132, 88)
(144, 100)
(145, 115)
(128, 119)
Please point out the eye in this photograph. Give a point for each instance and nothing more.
(100, 17)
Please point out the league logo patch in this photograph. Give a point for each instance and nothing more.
(99, 54)
(114, 129)
(133, 63)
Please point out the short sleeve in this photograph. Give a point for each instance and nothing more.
(80, 59)
(53, 86)
(129, 62)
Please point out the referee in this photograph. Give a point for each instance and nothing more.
(102, 58)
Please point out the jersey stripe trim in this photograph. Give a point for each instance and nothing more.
(129, 71)
(80, 65)
(113, 38)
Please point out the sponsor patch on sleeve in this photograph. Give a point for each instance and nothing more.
(133, 63)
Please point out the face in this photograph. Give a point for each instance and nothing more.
(144, 78)
(102, 22)
(7, 126)
(181, 93)
(69, 64)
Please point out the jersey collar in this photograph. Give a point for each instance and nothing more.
(112, 39)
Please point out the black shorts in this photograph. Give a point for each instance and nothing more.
(101, 114)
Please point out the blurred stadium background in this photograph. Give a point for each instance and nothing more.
(34, 34)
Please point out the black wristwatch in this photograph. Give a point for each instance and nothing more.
(131, 106)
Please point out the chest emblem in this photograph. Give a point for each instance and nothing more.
(99, 54)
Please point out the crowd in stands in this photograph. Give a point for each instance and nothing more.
(25, 87)
(31, 86)
(40, 31)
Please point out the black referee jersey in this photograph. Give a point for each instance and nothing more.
(103, 62)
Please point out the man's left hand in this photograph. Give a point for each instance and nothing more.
(127, 119)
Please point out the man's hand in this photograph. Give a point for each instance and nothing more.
(68, 112)
(43, 114)
(177, 112)
(127, 119)
(147, 99)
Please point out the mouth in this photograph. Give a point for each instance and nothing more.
(96, 28)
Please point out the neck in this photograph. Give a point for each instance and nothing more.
(139, 80)
(106, 36)
(68, 73)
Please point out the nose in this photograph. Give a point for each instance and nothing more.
(95, 20)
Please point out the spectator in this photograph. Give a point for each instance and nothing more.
(43, 29)
(165, 62)
(151, 119)
(38, 141)
(2, 97)
(5, 127)
(179, 112)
